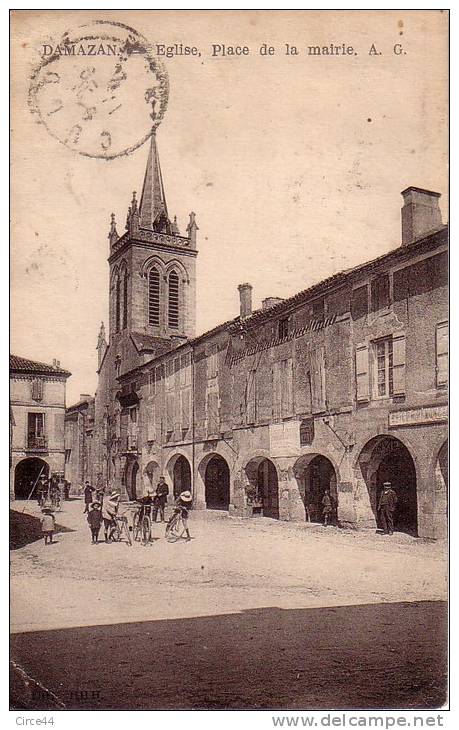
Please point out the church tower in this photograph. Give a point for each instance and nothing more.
(152, 267)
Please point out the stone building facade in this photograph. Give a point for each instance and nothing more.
(37, 393)
(79, 436)
(340, 387)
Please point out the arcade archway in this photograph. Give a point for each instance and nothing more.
(217, 483)
(26, 474)
(131, 479)
(441, 479)
(180, 472)
(262, 476)
(316, 475)
(386, 459)
(152, 473)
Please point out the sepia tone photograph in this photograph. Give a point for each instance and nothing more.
(228, 421)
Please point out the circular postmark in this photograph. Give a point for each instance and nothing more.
(99, 91)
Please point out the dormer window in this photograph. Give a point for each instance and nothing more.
(283, 328)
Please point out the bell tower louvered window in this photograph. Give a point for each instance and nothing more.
(153, 297)
(173, 300)
(117, 304)
(125, 300)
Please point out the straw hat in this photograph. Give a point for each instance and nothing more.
(186, 496)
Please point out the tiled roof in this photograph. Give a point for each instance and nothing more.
(22, 365)
(150, 343)
(429, 241)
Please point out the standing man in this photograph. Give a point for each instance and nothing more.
(88, 490)
(162, 490)
(386, 507)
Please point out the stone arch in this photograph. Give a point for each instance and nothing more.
(385, 458)
(152, 472)
(132, 482)
(214, 471)
(316, 474)
(26, 473)
(179, 473)
(263, 486)
(179, 267)
(149, 263)
(441, 479)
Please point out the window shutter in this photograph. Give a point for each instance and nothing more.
(362, 376)
(277, 393)
(318, 379)
(186, 400)
(213, 419)
(170, 411)
(151, 423)
(124, 429)
(442, 353)
(251, 396)
(398, 361)
(37, 389)
(287, 388)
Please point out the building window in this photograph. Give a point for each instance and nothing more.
(212, 362)
(384, 364)
(283, 389)
(37, 390)
(117, 304)
(185, 372)
(118, 367)
(318, 309)
(283, 328)
(125, 299)
(152, 382)
(251, 396)
(68, 453)
(153, 297)
(173, 300)
(36, 430)
(380, 293)
(441, 351)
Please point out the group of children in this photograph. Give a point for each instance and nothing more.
(105, 511)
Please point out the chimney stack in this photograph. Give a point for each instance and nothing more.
(420, 214)
(245, 300)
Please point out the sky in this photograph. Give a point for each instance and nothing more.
(293, 164)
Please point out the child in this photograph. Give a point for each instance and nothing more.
(47, 525)
(95, 521)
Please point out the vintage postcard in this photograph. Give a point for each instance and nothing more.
(229, 361)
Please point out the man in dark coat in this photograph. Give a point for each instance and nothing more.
(386, 507)
(160, 501)
(88, 490)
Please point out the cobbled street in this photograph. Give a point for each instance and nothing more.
(249, 614)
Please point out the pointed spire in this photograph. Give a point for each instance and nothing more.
(174, 227)
(113, 235)
(101, 345)
(153, 206)
(101, 341)
(192, 228)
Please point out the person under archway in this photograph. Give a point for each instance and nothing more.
(386, 508)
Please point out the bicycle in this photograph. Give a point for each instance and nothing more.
(121, 530)
(141, 526)
(175, 529)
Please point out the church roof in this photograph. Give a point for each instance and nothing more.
(153, 204)
(23, 365)
(149, 343)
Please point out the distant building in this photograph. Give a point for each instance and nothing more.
(340, 387)
(79, 432)
(36, 422)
